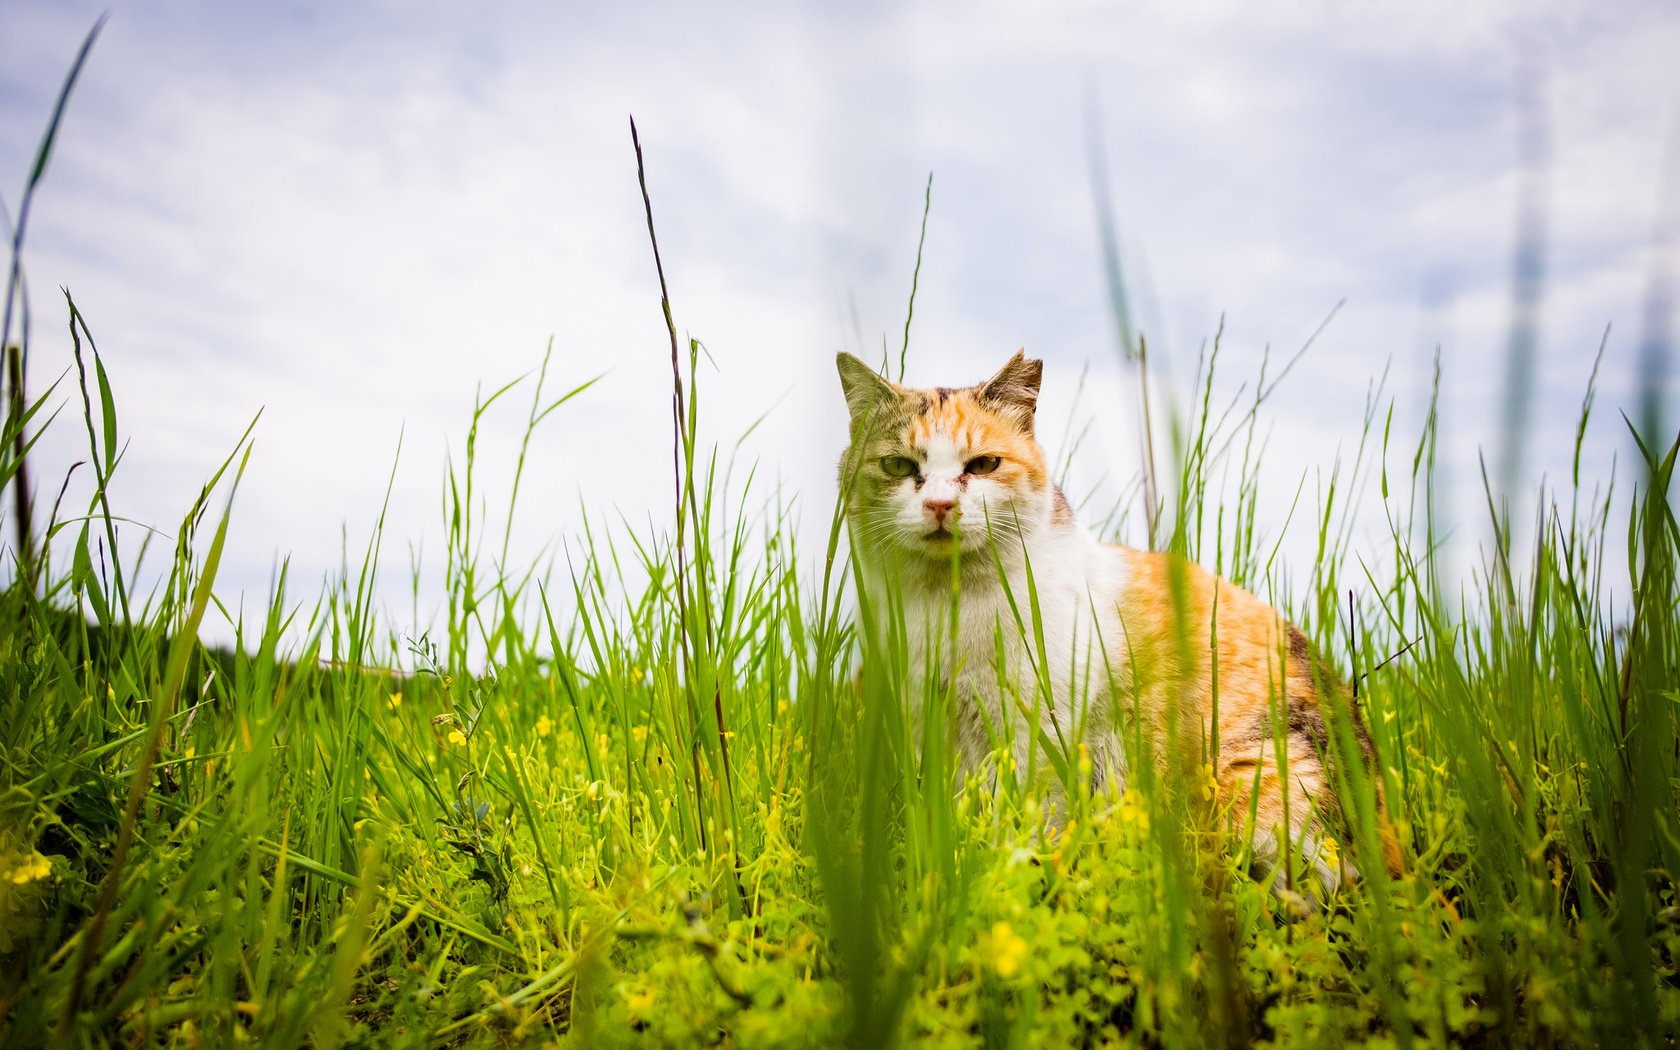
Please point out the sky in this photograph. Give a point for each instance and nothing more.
(351, 218)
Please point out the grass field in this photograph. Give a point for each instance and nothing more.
(680, 815)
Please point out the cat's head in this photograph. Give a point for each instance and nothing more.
(929, 468)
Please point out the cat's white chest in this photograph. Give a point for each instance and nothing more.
(1018, 658)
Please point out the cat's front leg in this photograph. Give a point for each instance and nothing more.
(1252, 788)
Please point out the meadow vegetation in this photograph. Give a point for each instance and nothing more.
(585, 812)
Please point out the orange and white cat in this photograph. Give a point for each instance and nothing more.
(951, 483)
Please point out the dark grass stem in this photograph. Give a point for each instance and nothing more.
(682, 456)
(16, 410)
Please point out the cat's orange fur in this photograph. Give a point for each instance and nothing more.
(1134, 640)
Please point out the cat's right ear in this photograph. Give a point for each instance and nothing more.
(865, 390)
(1015, 387)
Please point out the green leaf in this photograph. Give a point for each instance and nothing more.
(107, 413)
(45, 151)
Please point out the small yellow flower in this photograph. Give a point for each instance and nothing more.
(640, 1004)
(1329, 853)
(36, 867)
(638, 733)
(1003, 949)
(457, 737)
(1206, 785)
(1132, 810)
(394, 701)
(545, 725)
(636, 676)
(593, 790)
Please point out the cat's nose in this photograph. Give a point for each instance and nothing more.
(939, 508)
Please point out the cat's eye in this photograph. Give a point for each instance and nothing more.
(982, 465)
(898, 466)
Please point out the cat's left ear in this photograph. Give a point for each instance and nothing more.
(1015, 387)
(866, 392)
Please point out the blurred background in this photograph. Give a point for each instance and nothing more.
(350, 217)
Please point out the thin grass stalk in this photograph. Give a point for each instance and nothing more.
(38, 171)
(915, 278)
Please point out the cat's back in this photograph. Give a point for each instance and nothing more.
(1177, 615)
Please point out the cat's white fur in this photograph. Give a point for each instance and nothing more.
(1078, 582)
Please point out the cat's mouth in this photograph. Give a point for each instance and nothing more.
(940, 533)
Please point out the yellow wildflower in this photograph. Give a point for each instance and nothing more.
(545, 725)
(639, 733)
(1003, 949)
(1206, 785)
(457, 737)
(394, 701)
(35, 867)
(1132, 810)
(640, 1004)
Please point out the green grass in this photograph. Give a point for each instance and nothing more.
(682, 814)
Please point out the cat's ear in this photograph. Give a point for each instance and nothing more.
(1015, 387)
(865, 390)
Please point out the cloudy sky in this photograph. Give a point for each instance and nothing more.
(350, 217)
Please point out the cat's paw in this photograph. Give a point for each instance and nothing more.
(1321, 873)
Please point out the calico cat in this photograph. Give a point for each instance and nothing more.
(950, 484)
